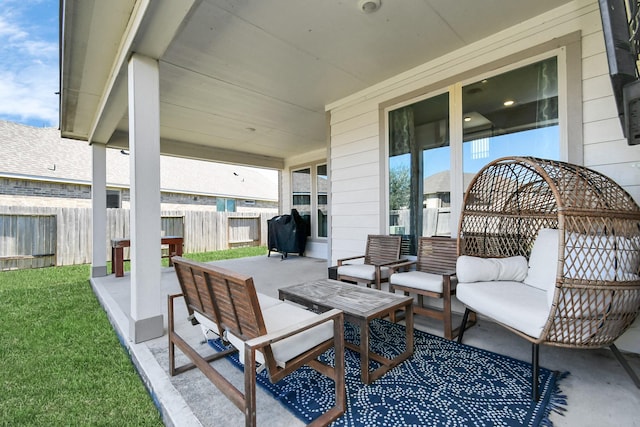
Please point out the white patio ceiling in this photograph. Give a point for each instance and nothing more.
(247, 81)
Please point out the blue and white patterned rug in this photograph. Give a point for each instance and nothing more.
(444, 383)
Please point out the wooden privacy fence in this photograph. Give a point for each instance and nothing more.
(68, 237)
(243, 231)
(27, 241)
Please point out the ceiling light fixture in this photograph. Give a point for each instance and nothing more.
(368, 6)
(508, 103)
(467, 119)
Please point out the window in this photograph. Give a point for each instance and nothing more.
(113, 199)
(321, 191)
(225, 205)
(309, 188)
(301, 186)
(512, 113)
(302, 201)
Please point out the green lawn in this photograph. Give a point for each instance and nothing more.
(62, 361)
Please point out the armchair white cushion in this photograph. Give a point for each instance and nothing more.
(363, 271)
(509, 290)
(420, 280)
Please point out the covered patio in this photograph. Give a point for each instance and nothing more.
(307, 89)
(598, 390)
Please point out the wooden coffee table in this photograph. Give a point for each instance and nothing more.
(360, 305)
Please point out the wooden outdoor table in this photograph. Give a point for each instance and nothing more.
(360, 305)
(118, 245)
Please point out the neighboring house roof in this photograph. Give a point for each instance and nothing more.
(440, 182)
(41, 154)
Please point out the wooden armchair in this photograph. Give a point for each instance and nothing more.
(433, 277)
(280, 338)
(381, 252)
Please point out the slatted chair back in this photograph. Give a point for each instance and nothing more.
(239, 309)
(382, 249)
(237, 302)
(435, 268)
(437, 254)
(197, 295)
(380, 253)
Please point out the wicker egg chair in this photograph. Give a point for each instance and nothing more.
(512, 198)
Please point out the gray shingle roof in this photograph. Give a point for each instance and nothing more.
(41, 154)
(440, 182)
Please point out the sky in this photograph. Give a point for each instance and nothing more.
(29, 62)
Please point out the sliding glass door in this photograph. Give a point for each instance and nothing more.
(419, 164)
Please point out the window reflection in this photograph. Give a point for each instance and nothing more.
(510, 114)
(321, 188)
(419, 184)
(301, 189)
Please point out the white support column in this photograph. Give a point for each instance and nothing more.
(456, 172)
(146, 320)
(99, 210)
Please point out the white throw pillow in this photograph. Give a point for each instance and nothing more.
(475, 269)
(513, 268)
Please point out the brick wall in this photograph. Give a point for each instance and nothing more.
(22, 192)
(23, 187)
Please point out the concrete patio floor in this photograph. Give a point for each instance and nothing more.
(599, 392)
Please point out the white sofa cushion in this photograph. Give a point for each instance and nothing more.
(419, 280)
(514, 304)
(209, 326)
(266, 301)
(590, 257)
(363, 271)
(543, 261)
(476, 269)
(282, 316)
(628, 258)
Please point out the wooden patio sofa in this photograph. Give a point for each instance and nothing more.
(280, 337)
